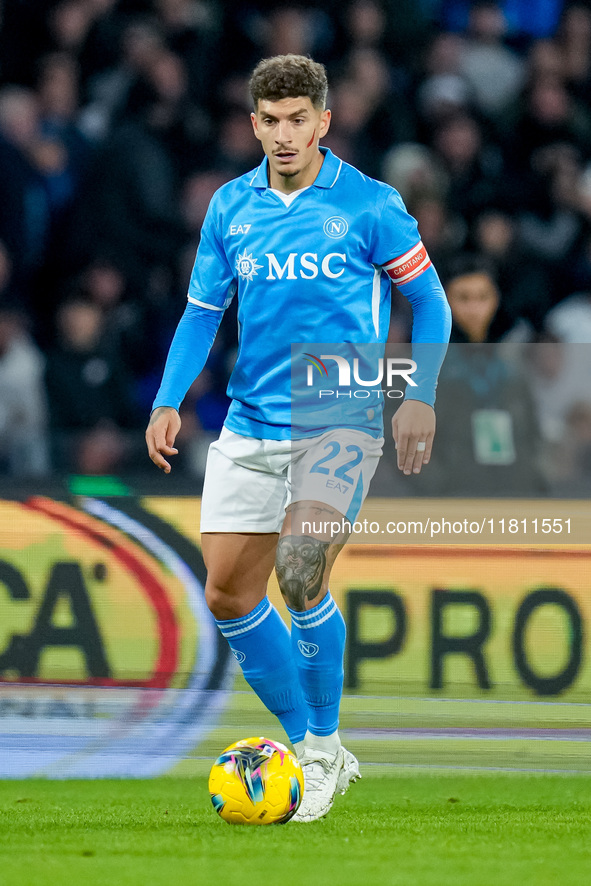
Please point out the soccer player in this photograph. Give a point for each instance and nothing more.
(310, 247)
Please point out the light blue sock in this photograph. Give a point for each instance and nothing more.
(318, 644)
(261, 645)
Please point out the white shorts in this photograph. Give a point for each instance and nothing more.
(250, 482)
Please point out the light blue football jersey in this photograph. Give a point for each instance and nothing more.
(311, 271)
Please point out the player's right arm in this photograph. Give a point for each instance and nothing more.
(164, 425)
(211, 290)
(186, 358)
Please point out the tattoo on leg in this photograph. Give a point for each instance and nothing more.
(300, 565)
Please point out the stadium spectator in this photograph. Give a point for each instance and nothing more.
(558, 372)
(442, 232)
(185, 126)
(366, 24)
(572, 477)
(524, 283)
(69, 23)
(416, 172)
(398, 30)
(23, 411)
(544, 59)
(474, 167)
(63, 153)
(237, 149)
(115, 113)
(440, 97)
(57, 88)
(490, 442)
(192, 30)
(108, 90)
(90, 401)
(579, 272)
(370, 112)
(574, 40)
(130, 208)
(293, 28)
(493, 70)
(270, 28)
(101, 46)
(24, 203)
(9, 293)
(129, 319)
(474, 299)
(549, 115)
(525, 18)
(373, 29)
(571, 319)
(551, 221)
(443, 55)
(198, 190)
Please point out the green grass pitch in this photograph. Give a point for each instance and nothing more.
(411, 828)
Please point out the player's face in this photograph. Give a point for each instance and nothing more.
(473, 299)
(289, 131)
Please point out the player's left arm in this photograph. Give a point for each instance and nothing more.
(414, 421)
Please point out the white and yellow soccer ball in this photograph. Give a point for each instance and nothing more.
(256, 781)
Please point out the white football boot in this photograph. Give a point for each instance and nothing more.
(349, 772)
(325, 773)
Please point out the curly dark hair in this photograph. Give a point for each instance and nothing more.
(289, 76)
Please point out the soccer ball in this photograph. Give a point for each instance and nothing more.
(256, 781)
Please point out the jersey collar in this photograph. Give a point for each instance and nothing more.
(326, 178)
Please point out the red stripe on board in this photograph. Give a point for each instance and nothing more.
(168, 630)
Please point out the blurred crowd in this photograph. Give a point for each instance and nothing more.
(120, 118)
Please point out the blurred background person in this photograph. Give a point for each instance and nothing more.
(24, 202)
(130, 206)
(91, 408)
(118, 118)
(493, 70)
(524, 282)
(489, 441)
(23, 410)
(474, 166)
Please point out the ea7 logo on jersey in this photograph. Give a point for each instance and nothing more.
(307, 266)
(239, 229)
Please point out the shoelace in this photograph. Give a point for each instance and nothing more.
(316, 770)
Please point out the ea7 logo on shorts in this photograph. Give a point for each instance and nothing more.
(239, 656)
(308, 649)
(335, 227)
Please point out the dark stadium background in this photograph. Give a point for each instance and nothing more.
(119, 118)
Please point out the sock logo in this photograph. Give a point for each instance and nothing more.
(239, 656)
(308, 649)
